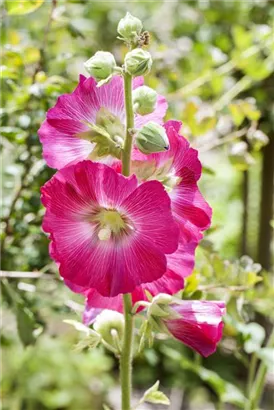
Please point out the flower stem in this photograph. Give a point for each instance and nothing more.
(126, 354)
(126, 156)
(258, 386)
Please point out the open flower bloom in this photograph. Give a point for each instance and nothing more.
(179, 170)
(107, 232)
(199, 325)
(179, 265)
(65, 132)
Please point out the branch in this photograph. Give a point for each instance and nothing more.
(221, 141)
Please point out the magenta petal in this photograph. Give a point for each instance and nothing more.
(119, 264)
(151, 215)
(62, 145)
(200, 326)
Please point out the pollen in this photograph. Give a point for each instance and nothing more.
(110, 221)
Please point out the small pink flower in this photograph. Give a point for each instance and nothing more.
(60, 133)
(200, 325)
(179, 170)
(107, 232)
(179, 265)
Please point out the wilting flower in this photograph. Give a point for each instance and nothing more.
(107, 232)
(179, 170)
(179, 265)
(199, 324)
(65, 132)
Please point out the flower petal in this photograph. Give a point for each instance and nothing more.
(111, 266)
(200, 326)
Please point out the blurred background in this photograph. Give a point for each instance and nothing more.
(214, 62)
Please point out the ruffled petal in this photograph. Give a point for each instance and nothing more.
(150, 212)
(119, 264)
(179, 266)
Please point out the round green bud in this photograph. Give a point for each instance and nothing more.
(129, 27)
(107, 322)
(101, 65)
(138, 62)
(152, 138)
(144, 100)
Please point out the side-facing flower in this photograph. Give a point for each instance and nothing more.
(107, 232)
(198, 325)
(179, 170)
(65, 132)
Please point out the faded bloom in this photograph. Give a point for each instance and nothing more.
(107, 232)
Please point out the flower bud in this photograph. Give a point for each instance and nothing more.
(138, 62)
(101, 65)
(144, 100)
(129, 27)
(152, 138)
(107, 322)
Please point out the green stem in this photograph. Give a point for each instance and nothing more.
(126, 356)
(126, 156)
(259, 383)
(127, 348)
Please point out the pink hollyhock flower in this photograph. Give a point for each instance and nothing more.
(179, 170)
(62, 132)
(179, 265)
(107, 232)
(199, 326)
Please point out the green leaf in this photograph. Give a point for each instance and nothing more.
(153, 395)
(25, 324)
(22, 6)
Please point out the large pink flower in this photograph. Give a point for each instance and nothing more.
(61, 132)
(179, 170)
(200, 325)
(108, 233)
(179, 265)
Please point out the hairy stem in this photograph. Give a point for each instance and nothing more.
(126, 355)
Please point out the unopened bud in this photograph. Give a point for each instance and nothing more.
(152, 138)
(144, 100)
(130, 28)
(138, 62)
(106, 322)
(101, 65)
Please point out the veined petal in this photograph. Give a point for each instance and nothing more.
(77, 199)
(200, 326)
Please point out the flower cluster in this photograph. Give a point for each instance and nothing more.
(112, 234)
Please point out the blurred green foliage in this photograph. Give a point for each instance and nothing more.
(214, 61)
